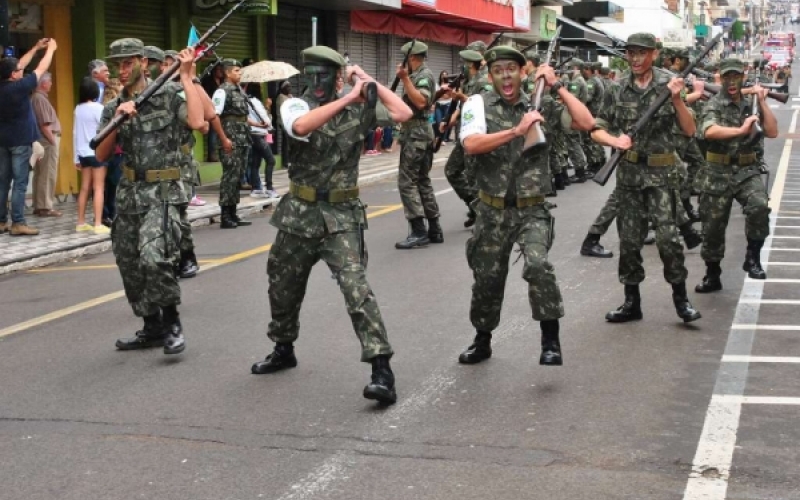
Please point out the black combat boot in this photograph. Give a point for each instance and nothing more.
(471, 216)
(579, 177)
(551, 347)
(559, 183)
(711, 281)
(553, 191)
(591, 247)
(435, 234)
(693, 214)
(417, 238)
(280, 359)
(630, 310)
(226, 222)
(151, 335)
(239, 222)
(691, 238)
(565, 178)
(174, 342)
(381, 388)
(682, 305)
(480, 349)
(752, 261)
(188, 265)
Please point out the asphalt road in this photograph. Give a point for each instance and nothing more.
(622, 419)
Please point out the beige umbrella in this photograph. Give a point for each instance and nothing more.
(268, 71)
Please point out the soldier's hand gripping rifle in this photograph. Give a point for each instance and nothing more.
(602, 175)
(535, 135)
(778, 96)
(451, 110)
(756, 132)
(160, 81)
(396, 81)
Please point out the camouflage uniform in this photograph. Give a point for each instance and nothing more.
(234, 123)
(416, 153)
(577, 87)
(595, 154)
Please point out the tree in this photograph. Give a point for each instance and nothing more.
(618, 63)
(737, 30)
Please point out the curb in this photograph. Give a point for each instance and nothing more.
(198, 220)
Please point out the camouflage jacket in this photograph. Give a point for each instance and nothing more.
(235, 106)
(188, 141)
(150, 141)
(722, 111)
(418, 130)
(577, 87)
(595, 91)
(505, 170)
(326, 160)
(622, 107)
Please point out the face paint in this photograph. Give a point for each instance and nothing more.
(506, 78)
(321, 82)
(732, 83)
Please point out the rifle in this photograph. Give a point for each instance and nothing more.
(756, 132)
(602, 175)
(778, 96)
(535, 135)
(451, 109)
(396, 81)
(160, 81)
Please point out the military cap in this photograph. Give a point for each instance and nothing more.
(419, 48)
(667, 52)
(470, 55)
(323, 56)
(171, 53)
(644, 40)
(575, 63)
(504, 52)
(533, 56)
(731, 64)
(125, 47)
(681, 52)
(231, 63)
(153, 53)
(605, 70)
(478, 46)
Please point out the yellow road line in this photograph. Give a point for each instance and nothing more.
(93, 268)
(104, 299)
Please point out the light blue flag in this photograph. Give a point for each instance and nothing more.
(194, 37)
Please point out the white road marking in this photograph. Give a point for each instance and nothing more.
(786, 249)
(758, 400)
(786, 328)
(788, 227)
(782, 237)
(759, 359)
(772, 301)
(774, 280)
(718, 438)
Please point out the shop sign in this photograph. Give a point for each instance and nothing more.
(548, 23)
(426, 3)
(253, 7)
(24, 17)
(522, 14)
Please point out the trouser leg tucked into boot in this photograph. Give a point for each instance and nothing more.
(480, 349)
(279, 359)
(174, 343)
(630, 310)
(711, 281)
(151, 335)
(237, 219)
(435, 234)
(752, 261)
(591, 247)
(381, 387)
(471, 215)
(693, 215)
(226, 221)
(682, 305)
(551, 346)
(189, 266)
(417, 238)
(691, 238)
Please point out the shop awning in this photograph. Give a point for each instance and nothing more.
(574, 33)
(389, 23)
(349, 4)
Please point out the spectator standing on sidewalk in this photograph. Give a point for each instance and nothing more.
(93, 173)
(210, 84)
(17, 133)
(46, 171)
(283, 138)
(260, 132)
(98, 70)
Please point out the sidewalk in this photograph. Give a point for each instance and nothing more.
(58, 241)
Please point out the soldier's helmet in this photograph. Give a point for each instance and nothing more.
(124, 48)
(470, 55)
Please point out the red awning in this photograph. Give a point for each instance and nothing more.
(387, 23)
(487, 16)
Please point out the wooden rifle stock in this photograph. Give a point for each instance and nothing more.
(602, 175)
(778, 96)
(396, 81)
(151, 89)
(535, 135)
(454, 105)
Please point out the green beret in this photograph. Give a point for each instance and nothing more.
(644, 40)
(153, 53)
(419, 48)
(171, 53)
(731, 64)
(471, 55)
(125, 47)
(575, 63)
(323, 56)
(231, 63)
(478, 46)
(504, 52)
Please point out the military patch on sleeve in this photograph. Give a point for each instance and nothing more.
(487, 87)
(423, 83)
(182, 95)
(297, 106)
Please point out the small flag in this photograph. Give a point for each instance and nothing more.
(194, 37)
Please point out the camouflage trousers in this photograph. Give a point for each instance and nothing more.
(557, 158)
(288, 267)
(634, 208)
(715, 210)
(575, 151)
(609, 212)
(414, 181)
(460, 173)
(187, 239)
(694, 160)
(595, 154)
(145, 260)
(233, 166)
(488, 251)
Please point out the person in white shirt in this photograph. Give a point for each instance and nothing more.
(93, 172)
(261, 132)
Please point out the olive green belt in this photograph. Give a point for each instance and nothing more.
(167, 174)
(313, 195)
(502, 203)
(234, 118)
(660, 160)
(742, 160)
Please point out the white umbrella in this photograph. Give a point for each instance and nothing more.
(268, 71)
